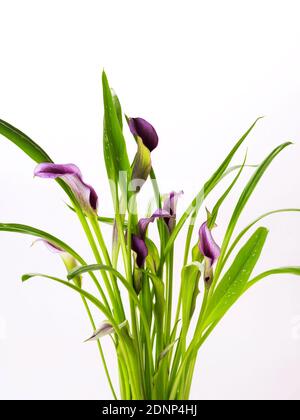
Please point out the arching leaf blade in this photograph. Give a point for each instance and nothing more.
(233, 283)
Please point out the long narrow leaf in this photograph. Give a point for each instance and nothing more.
(232, 285)
(246, 194)
(131, 291)
(115, 151)
(29, 230)
(82, 292)
(195, 205)
(25, 143)
(248, 227)
(32, 149)
(214, 213)
(275, 271)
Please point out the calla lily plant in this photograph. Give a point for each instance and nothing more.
(156, 331)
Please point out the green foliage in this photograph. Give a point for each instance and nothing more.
(157, 352)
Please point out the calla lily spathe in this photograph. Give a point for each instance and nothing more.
(147, 140)
(143, 129)
(71, 174)
(170, 206)
(138, 243)
(209, 249)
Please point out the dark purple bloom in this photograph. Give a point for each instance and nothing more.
(141, 128)
(144, 223)
(138, 243)
(170, 205)
(139, 246)
(71, 174)
(210, 250)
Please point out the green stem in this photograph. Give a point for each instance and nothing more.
(126, 253)
(180, 348)
(100, 349)
(191, 351)
(98, 233)
(93, 245)
(169, 295)
(186, 383)
(134, 323)
(98, 259)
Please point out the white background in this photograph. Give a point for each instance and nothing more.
(201, 72)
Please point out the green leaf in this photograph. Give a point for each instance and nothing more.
(281, 270)
(215, 211)
(106, 220)
(190, 276)
(246, 194)
(29, 230)
(115, 152)
(33, 150)
(82, 292)
(195, 205)
(235, 168)
(166, 350)
(232, 285)
(248, 227)
(100, 267)
(163, 362)
(159, 306)
(118, 108)
(152, 260)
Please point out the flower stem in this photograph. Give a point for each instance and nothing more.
(93, 245)
(100, 349)
(98, 233)
(169, 294)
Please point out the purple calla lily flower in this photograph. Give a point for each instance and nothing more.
(170, 205)
(144, 223)
(143, 129)
(71, 174)
(207, 245)
(209, 249)
(138, 244)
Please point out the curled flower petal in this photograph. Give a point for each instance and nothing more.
(143, 129)
(170, 205)
(53, 248)
(105, 329)
(143, 223)
(68, 260)
(139, 246)
(71, 174)
(207, 245)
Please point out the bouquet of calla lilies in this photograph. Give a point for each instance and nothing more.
(156, 332)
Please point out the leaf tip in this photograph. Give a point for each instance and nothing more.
(25, 277)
